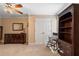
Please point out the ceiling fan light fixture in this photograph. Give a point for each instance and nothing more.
(13, 8)
(18, 6)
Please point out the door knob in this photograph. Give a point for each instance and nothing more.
(43, 33)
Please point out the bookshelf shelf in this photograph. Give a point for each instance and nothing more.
(67, 19)
(66, 27)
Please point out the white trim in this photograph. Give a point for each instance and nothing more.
(63, 9)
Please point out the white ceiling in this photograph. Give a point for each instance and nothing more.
(36, 9)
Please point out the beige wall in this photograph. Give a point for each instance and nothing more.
(7, 25)
(31, 29)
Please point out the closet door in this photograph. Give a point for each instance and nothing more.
(42, 29)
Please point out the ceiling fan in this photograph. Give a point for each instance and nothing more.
(13, 8)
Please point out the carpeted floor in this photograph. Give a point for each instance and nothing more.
(25, 50)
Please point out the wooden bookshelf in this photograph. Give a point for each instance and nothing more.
(69, 31)
(65, 26)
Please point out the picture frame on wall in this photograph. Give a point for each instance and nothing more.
(17, 26)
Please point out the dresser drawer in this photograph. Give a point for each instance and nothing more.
(15, 38)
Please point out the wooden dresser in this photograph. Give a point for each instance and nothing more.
(15, 38)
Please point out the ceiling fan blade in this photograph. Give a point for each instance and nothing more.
(19, 12)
